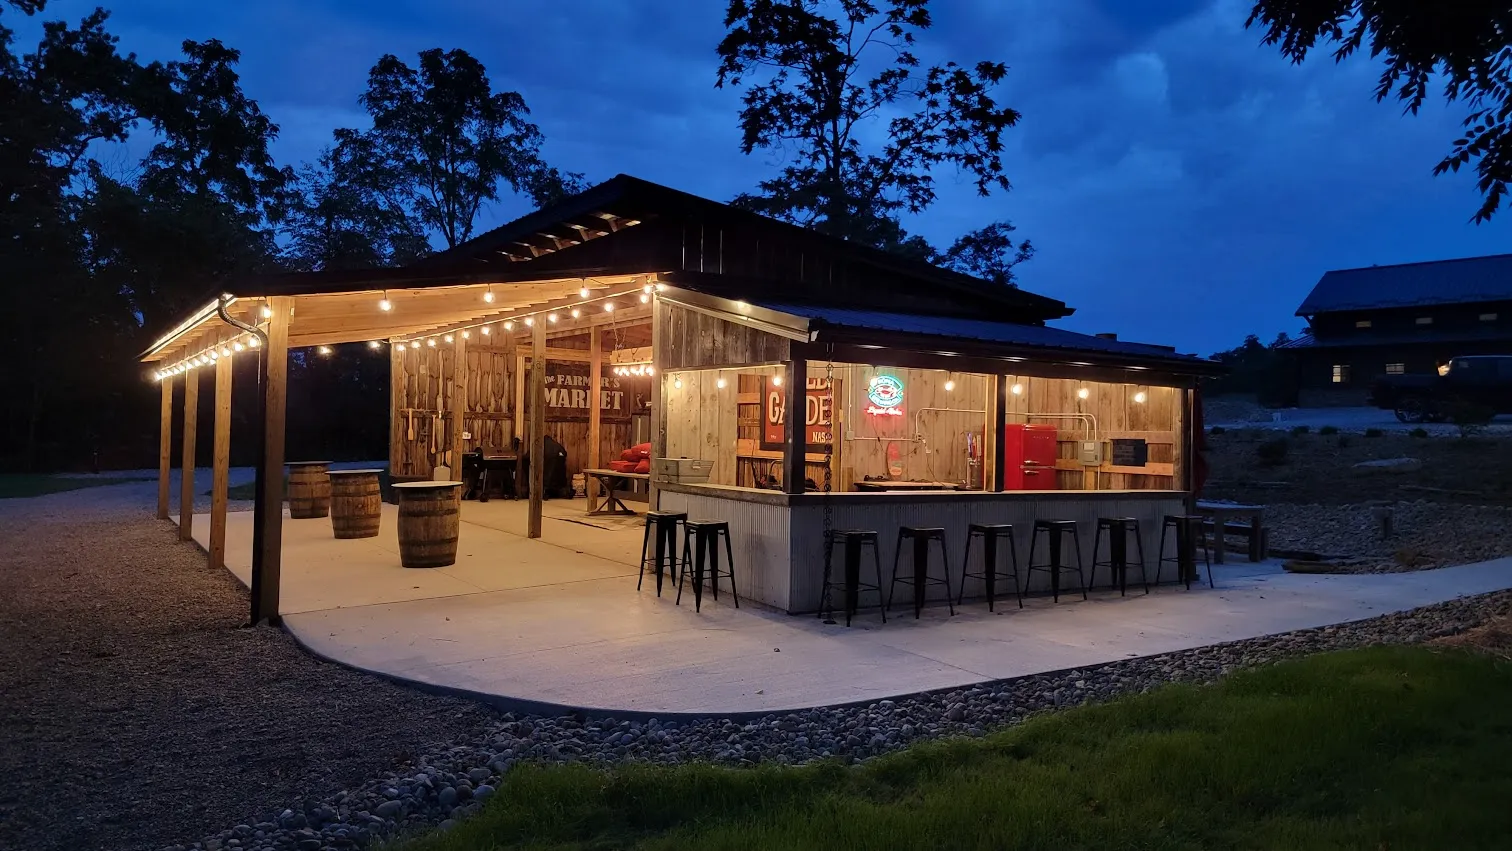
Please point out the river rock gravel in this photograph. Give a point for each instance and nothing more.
(1424, 534)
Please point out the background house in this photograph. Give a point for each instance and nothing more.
(1412, 317)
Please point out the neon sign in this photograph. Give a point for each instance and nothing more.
(886, 396)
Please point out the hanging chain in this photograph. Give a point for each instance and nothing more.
(827, 604)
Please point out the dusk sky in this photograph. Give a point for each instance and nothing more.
(1182, 183)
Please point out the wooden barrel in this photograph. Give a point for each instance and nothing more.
(430, 515)
(309, 489)
(356, 503)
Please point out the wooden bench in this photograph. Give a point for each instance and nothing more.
(1222, 519)
(614, 488)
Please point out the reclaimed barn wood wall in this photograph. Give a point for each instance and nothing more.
(691, 339)
(1157, 420)
(930, 436)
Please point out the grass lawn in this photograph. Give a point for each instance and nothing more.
(20, 485)
(248, 490)
(1381, 748)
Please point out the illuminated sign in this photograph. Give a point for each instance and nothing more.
(817, 416)
(885, 393)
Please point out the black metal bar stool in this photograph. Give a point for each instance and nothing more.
(664, 551)
(921, 536)
(989, 533)
(1188, 529)
(700, 540)
(1054, 531)
(1119, 529)
(851, 585)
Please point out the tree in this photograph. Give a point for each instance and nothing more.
(443, 142)
(336, 221)
(988, 253)
(1468, 45)
(819, 75)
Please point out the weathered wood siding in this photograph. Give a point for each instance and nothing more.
(758, 537)
(690, 339)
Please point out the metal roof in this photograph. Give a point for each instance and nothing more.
(1461, 281)
(986, 331)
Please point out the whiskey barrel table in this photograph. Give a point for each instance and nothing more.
(309, 489)
(356, 503)
(430, 515)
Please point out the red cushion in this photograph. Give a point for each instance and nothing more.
(641, 450)
(622, 466)
(644, 466)
(629, 455)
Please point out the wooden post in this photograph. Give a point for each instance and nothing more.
(595, 395)
(186, 465)
(794, 382)
(165, 448)
(458, 407)
(267, 555)
(398, 422)
(537, 427)
(659, 360)
(220, 463)
(999, 434)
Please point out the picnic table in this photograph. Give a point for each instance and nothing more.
(1249, 520)
(614, 487)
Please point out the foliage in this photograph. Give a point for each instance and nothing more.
(1300, 430)
(1466, 45)
(1343, 441)
(1471, 418)
(1398, 739)
(1418, 432)
(1273, 452)
(442, 143)
(1328, 429)
(819, 77)
(1217, 430)
(1258, 368)
(1374, 432)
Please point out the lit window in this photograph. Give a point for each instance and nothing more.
(1425, 320)
(1488, 317)
(1362, 323)
(1341, 373)
(1395, 368)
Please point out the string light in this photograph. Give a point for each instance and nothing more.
(488, 294)
(551, 317)
(529, 321)
(1016, 389)
(267, 312)
(431, 342)
(777, 380)
(646, 288)
(325, 350)
(450, 338)
(254, 342)
(465, 334)
(1140, 397)
(225, 351)
(485, 330)
(398, 347)
(677, 382)
(720, 383)
(576, 313)
(384, 304)
(508, 326)
(645, 298)
(374, 344)
(608, 307)
(583, 293)
(237, 346)
(949, 386)
(1083, 393)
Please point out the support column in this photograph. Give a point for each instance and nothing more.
(220, 463)
(186, 465)
(267, 550)
(458, 407)
(659, 360)
(999, 434)
(165, 448)
(595, 395)
(537, 426)
(794, 382)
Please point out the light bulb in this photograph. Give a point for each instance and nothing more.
(237, 346)
(645, 298)
(608, 306)
(325, 350)
(254, 342)
(267, 312)
(449, 338)
(466, 334)
(431, 342)
(225, 351)
(650, 370)
(1140, 397)
(776, 381)
(488, 296)
(529, 321)
(677, 382)
(1016, 389)
(508, 326)
(551, 317)
(1083, 393)
(576, 313)
(398, 347)
(385, 304)
(720, 383)
(583, 293)
(660, 287)
(949, 386)
(373, 344)
(484, 329)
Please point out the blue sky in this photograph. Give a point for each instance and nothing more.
(1181, 183)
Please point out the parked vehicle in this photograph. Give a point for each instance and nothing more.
(1483, 381)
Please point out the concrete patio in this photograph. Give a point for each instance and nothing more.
(557, 622)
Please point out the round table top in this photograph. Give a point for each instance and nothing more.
(306, 463)
(354, 472)
(422, 485)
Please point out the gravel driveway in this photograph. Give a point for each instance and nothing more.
(136, 711)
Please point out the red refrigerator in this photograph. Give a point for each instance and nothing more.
(1028, 457)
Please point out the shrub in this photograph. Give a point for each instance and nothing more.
(1471, 418)
(1273, 452)
(1343, 441)
(1418, 432)
(1328, 430)
(1217, 430)
(1301, 430)
(1373, 432)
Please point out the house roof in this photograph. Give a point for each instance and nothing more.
(831, 324)
(1461, 281)
(1415, 336)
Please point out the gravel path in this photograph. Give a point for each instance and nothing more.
(137, 712)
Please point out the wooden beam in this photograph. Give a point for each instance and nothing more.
(993, 476)
(595, 395)
(186, 464)
(220, 463)
(794, 381)
(658, 400)
(537, 427)
(165, 447)
(267, 556)
(458, 407)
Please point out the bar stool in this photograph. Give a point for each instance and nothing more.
(921, 536)
(1188, 533)
(989, 533)
(1119, 529)
(664, 551)
(854, 540)
(1054, 531)
(701, 539)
